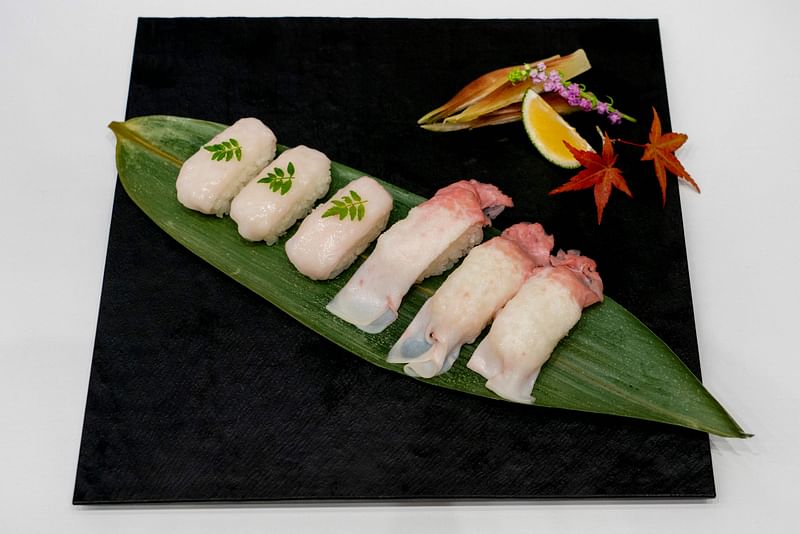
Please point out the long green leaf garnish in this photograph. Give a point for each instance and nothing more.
(610, 363)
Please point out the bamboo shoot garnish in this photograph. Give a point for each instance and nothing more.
(505, 115)
(495, 91)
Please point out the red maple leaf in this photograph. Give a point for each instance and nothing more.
(599, 172)
(661, 150)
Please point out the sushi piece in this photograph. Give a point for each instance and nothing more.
(331, 237)
(465, 303)
(210, 178)
(281, 193)
(433, 236)
(529, 327)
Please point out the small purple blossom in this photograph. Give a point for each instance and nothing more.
(574, 89)
(537, 76)
(573, 93)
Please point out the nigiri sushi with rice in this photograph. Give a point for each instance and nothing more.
(433, 236)
(337, 231)
(281, 193)
(527, 330)
(466, 302)
(209, 179)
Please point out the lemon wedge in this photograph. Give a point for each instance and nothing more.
(548, 130)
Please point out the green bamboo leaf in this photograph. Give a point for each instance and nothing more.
(355, 196)
(279, 172)
(361, 211)
(290, 168)
(610, 363)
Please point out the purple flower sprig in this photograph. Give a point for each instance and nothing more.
(575, 94)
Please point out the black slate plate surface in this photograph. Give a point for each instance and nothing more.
(202, 391)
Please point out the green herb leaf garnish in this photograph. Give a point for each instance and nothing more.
(225, 150)
(349, 206)
(279, 181)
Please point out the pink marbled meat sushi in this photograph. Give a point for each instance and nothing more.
(433, 236)
(489, 276)
(529, 327)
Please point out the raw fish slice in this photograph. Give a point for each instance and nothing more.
(533, 240)
(207, 185)
(579, 273)
(325, 246)
(263, 211)
(529, 327)
(433, 236)
(465, 303)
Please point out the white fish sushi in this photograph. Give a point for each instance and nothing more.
(433, 236)
(529, 327)
(337, 231)
(210, 178)
(281, 193)
(465, 303)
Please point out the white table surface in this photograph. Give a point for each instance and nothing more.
(732, 77)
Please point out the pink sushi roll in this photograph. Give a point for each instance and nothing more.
(489, 276)
(433, 236)
(527, 330)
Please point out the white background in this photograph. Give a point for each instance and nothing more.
(732, 76)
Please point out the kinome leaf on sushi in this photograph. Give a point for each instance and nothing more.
(597, 368)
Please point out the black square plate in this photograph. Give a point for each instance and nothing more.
(202, 391)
